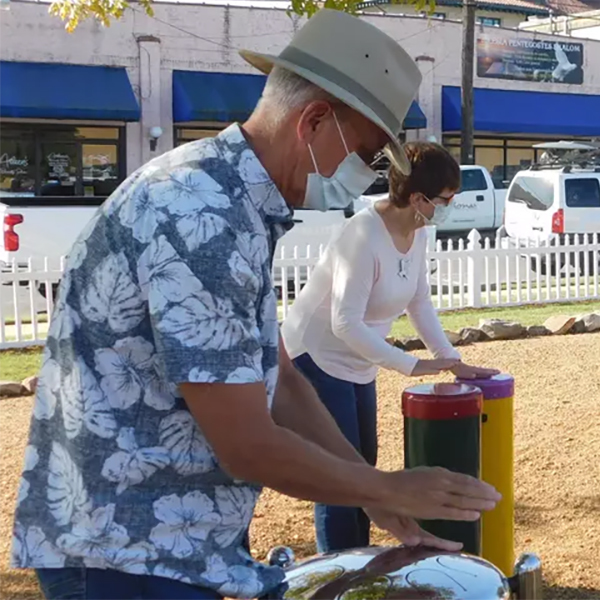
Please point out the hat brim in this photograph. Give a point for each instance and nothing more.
(394, 150)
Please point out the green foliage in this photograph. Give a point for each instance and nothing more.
(73, 12)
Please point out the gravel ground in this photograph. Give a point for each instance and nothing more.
(557, 465)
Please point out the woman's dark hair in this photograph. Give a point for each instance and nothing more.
(434, 170)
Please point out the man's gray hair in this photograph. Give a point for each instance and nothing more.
(286, 91)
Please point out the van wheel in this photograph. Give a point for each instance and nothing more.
(42, 290)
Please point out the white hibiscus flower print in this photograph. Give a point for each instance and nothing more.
(112, 296)
(32, 458)
(200, 228)
(93, 535)
(84, 403)
(48, 389)
(129, 372)
(31, 550)
(254, 246)
(269, 320)
(67, 496)
(161, 570)
(203, 322)
(131, 559)
(186, 522)
(142, 214)
(78, 251)
(23, 492)
(242, 272)
(216, 570)
(242, 582)
(271, 378)
(189, 451)
(164, 277)
(187, 190)
(236, 506)
(197, 375)
(132, 465)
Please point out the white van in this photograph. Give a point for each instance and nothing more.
(546, 203)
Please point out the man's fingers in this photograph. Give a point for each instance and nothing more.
(428, 539)
(465, 485)
(469, 503)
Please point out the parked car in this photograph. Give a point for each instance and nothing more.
(35, 229)
(556, 201)
(477, 205)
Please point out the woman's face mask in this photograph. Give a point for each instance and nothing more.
(351, 179)
(440, 211)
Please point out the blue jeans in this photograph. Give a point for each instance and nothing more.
(99, 584)
(354, 408)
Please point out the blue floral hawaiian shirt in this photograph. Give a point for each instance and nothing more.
(170, 282)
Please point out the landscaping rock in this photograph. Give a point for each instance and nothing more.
(11, 389)
(578, 327)
(560, 324)
(589, 322)
(471, 335)
(454, 338)
(538, 331)
(413, 343)
(498, 329)
(30, 384)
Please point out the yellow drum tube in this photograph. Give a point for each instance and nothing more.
(497, 469)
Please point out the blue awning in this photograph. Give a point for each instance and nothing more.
(222, 97)
(510, 111)
(229, 97)
(415, 119)
(59, 91)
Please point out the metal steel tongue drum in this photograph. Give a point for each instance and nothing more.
(405, 573)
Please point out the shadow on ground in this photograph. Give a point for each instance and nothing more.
(557, 592)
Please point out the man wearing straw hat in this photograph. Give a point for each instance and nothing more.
(164, 389)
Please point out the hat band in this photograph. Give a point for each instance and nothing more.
(318, 67)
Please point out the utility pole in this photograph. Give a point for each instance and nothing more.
(468, 56)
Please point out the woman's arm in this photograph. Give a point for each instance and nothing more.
(424, 319)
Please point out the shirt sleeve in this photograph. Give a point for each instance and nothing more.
(424, 319)
(353, 274)
(203, 312)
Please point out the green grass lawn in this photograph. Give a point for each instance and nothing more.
(15, 365)
(526, 315)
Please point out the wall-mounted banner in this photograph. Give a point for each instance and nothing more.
(530, 60)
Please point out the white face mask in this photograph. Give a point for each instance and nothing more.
(351, 179)
(440, 213)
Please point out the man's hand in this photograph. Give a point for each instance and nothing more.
(407, 531)
(463, 371)
(434, 367)
(436, 493)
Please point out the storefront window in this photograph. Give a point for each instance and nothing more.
(191, 134)
(44, 160)
(17, 167)
(493, 160)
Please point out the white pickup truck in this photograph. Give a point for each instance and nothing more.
(36, 229)
(478, 205)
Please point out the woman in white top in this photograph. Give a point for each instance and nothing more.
(335, 332)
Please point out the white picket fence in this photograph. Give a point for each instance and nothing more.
(472, 274)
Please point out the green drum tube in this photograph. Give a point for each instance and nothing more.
(442, 428)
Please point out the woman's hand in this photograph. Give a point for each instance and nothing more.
(463, 371)
(436, 366)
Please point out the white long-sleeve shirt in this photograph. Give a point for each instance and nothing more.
(361, 285)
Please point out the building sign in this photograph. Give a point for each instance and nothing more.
(530, 60)
(11, 165)
(59, 164)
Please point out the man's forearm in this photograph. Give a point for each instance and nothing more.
(298, 408)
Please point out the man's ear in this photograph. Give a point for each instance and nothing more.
(312, 119)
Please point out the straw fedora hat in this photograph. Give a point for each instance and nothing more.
(356, 63)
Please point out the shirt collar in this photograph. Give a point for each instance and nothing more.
(261, 189)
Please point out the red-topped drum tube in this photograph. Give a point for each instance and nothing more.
(442, 428)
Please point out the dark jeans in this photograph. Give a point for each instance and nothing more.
(354, 408)
(100, 584)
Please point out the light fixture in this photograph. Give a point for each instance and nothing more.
(154, 133)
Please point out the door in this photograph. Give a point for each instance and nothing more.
(473, 206)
